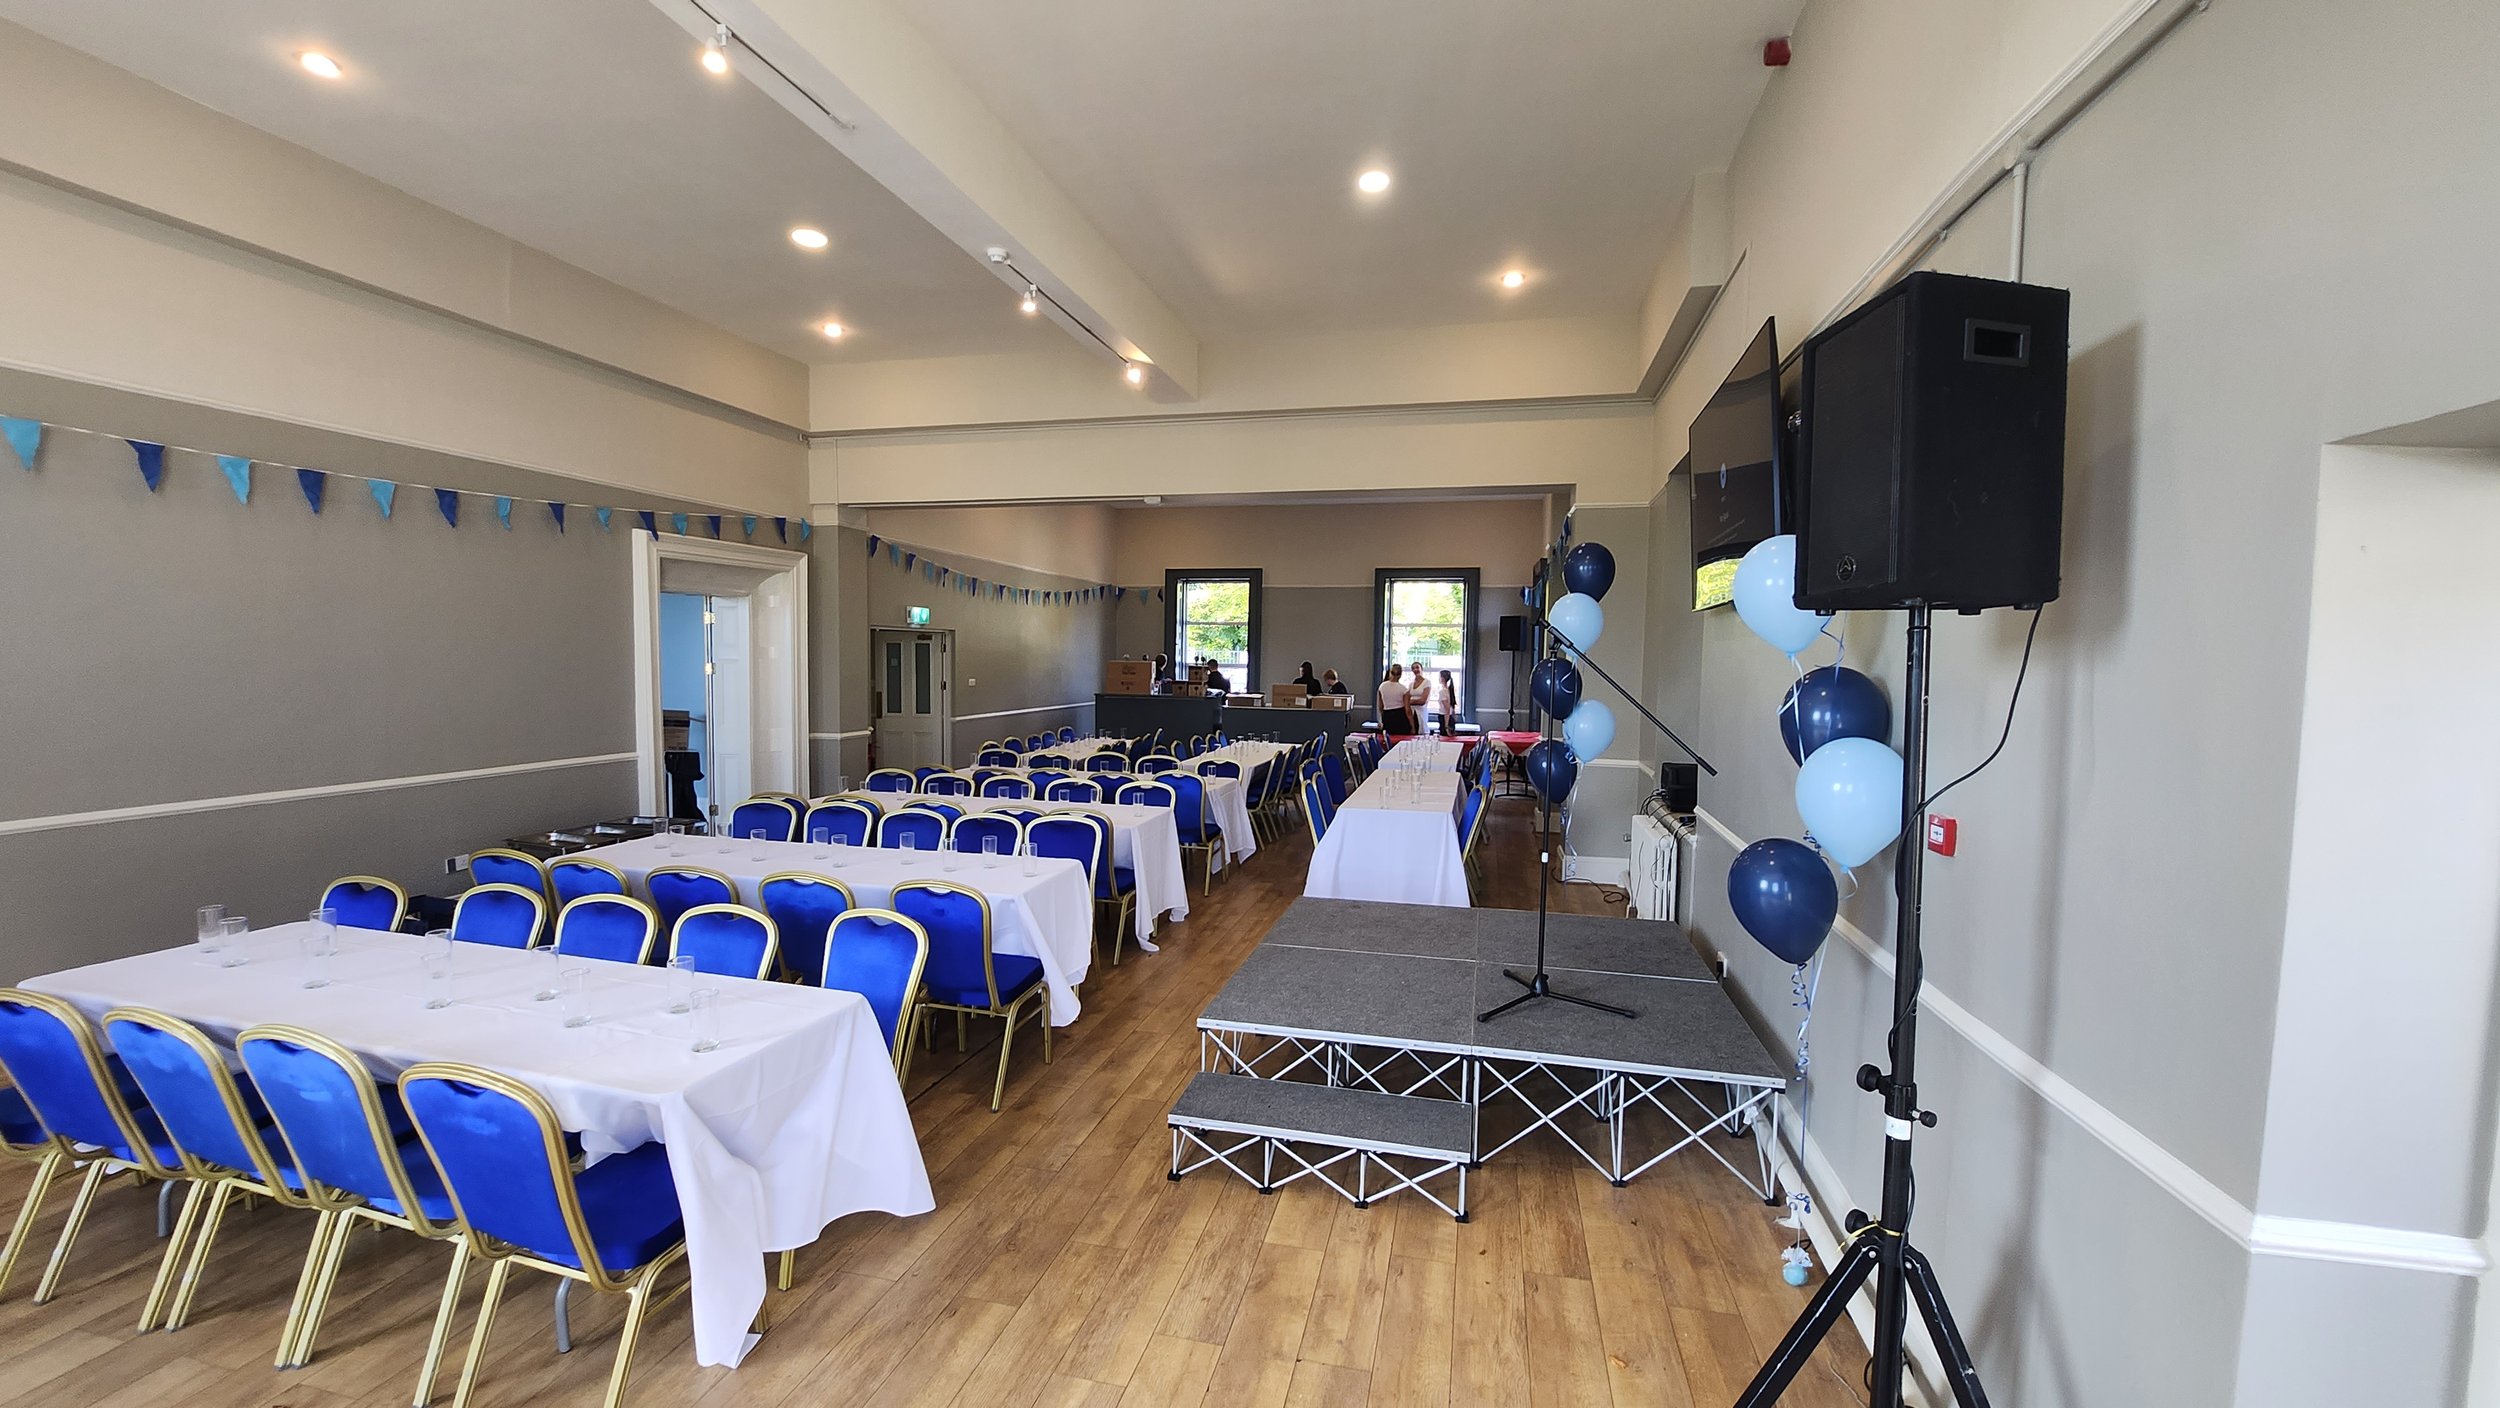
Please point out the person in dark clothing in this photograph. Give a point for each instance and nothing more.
(1333, 685)
(1309, 682)
(1217, 681)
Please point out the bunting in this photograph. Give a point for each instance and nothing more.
(383, 492)
(678, 522)
(715, 523)
(555, 511)
(151, 462)
(448, 501)
(312, 482)
(238, 472)
(25, 437)
(503, 512)
(649, 521)
(604, 515)
(749, 522)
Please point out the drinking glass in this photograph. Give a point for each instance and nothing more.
(233, 949)
(321, 942)
(703, 1005)
(436, 962)
(212, 931)
(549, 974)
(681, 974)
(755, 842)
(1032, 859)
(911, 844)
(989, 853)
(948, 857)
(577, 997)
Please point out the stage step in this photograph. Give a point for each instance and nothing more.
(1272, 1117)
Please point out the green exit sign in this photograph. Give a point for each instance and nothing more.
(916, 615)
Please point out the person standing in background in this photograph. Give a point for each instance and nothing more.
(1418, 694)
(1309, 682)
(1445, 703)
(1393, 710)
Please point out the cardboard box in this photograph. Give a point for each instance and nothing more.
(1128, 677)
(676, 729)
(1190, 689)
(1196, 674)
(1332, 701)
(1287, 696)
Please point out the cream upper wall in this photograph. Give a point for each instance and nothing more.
(76, 122)
(1331, 545)
(1065, 540)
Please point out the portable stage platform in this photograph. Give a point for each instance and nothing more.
(1380, 1001)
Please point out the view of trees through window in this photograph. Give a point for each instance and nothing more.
(1426, 619)
(1214, 620)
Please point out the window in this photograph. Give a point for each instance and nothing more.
(1428, 616)
(1214, 614)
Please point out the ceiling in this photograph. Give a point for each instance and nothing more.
(582, 128)
(1214, 147)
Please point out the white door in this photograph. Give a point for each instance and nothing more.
(732, 764)
(911, 688)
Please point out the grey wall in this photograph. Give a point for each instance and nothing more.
(180, 647)
(1025, 667)
(2273, 244)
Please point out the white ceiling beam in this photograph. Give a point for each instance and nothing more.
(867, 81)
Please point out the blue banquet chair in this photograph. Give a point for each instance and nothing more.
(1159, 762)
(1470, 826)
(966, 976)
(1085, 838)
(217, 1134)
(91, 1116)
(23, 1138)
(880, 955)
(1007, 785)
(1332, 767)
(674, 889)
(776, 817)
(1199, 831)
(993, 756)
(360, 1162)
(614, 1226)
(1073, 789)
(613, 928)
(977, 827)
(1315, 807)
(571, 877)
(366, 902)
(1145, 792)
(892, 780)
(1067, 733)
(923, 827)
(729, 940)
(1106, 761)
(1050, 760)
(501, 865)
(507, 916)
(802, 908)
(847, 820)
(947, 784)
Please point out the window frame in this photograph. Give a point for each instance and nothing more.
(1471, 584)
(1174, 579)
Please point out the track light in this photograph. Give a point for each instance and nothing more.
(716, 52)
(1032, 299)
(1136, 373)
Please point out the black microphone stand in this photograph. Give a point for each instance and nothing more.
(1540, 983)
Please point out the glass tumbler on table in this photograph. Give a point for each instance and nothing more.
(434, 965)
(321, 944)
(212, 931)
(681, 974)
(233, 949)
(703, 1006)
(577, 997)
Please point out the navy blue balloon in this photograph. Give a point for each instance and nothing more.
(1785, 897)
(1551, 770)
(1555, 686)
(1589, 569)
(1832, 703)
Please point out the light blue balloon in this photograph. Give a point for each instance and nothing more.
(1580, 620)
(1766, 589)
(1849, 793)
(1589, 729)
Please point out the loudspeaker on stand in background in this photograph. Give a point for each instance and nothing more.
(1931, 448)
(1514, 633)
(1680, 783)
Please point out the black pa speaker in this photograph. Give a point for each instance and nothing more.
(1932, 449)
(1514, 633)
(1681, 782)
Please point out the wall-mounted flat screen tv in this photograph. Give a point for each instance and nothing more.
(1735, 476)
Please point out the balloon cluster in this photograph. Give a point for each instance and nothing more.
(1553, 764)
(1834, 721)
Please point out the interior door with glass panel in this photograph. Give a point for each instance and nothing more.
(912, 689)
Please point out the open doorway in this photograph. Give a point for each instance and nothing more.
(725, 624)
(911, 686)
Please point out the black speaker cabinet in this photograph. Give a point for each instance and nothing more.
(1682, 784)
(1514, 633)
(1932, 449)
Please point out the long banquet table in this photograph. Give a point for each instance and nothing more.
(1047, 915)
(1395, 839)
(794, 1121)
(1144, 839)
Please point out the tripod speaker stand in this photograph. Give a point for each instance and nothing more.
(1881, 1247)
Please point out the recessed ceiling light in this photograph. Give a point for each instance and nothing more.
(809, 237)
(1513, 278)
(318, 64)
(833, 330)
(1136, 373)
(716, 50)
(1372, 183)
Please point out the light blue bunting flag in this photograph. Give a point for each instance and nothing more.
(448, 500)
(604, 515)
(807, 530)
(238, 472)
(503, 512)
(151, 462)
(313, 482)
(383, 492)
(25, 437)
(678, 522)
(750, 521)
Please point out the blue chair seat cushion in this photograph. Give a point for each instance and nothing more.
(1113, 883)
(630, 1204)
(1016, 974)
(425, 1180)
(18, 1124)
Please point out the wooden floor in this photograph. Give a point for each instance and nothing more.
(1061, 1266)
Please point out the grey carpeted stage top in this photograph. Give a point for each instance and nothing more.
(1416, 976)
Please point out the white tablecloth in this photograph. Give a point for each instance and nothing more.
(1081, 749)
(1144, 839)
(1228, 801)
(1046, 915)
(1389, 844)
(1424, 753)
(794, 1121)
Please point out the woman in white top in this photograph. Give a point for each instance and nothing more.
(1445, 703)
(1393, 710)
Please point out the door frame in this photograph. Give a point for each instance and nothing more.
(944, 678)
(772, 696)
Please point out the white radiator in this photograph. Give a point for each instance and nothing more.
(1658, 859)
